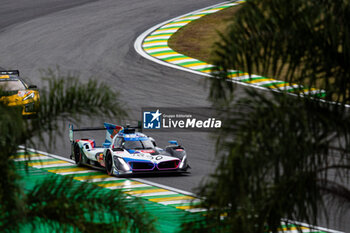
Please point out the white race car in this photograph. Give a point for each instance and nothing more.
(126, 151)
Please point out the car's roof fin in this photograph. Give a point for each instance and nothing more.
(111, 131)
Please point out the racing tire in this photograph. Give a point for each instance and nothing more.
(78, 155)
(109, 163)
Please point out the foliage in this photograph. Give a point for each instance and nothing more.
(304, 42)
(63, 203)
(65, 99)
(66, 203)
(281, 156)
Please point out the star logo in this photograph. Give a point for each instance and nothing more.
(156, 115)
(151, 120)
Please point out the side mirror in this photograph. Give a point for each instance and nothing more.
(106, 144)
(153, 141)
(32, 87)
(173, 142)
(71, 133)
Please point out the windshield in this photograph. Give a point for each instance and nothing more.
(147, 144)
(137, 145)
(12, 85)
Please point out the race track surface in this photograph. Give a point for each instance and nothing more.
(96, 39)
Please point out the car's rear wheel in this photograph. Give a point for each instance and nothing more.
(109, 163)
(77, 155)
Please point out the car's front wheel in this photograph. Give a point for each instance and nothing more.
(77, 155)
(109, 163)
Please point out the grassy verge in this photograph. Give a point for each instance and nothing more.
(197, 39)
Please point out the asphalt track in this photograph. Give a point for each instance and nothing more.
(96, 39)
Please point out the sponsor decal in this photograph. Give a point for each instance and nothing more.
(148, 151)
(142, 155)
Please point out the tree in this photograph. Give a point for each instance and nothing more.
(61, 204)
(304, 42)
(281, 156)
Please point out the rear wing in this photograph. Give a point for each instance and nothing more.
(9, 72)
(72, 130)
(111, 130)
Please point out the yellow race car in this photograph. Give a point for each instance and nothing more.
(15, 92)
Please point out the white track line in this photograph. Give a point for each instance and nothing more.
(154, 194)
(92, 180)
(179, 201)
(140, 39)
(128, 186)
(76, 172)
(48, 154)
(53, 165)
(311, 226)
(195, 210)
(165, 187)
(32, 159)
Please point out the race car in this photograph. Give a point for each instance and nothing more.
(15, 92)
(127, 151)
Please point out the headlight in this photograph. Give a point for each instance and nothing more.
(183, 162)
(30, 96)
(121, 164)
(29, 107)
